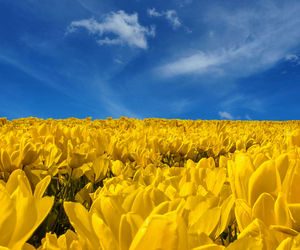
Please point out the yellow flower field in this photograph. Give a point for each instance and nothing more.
(149, 184)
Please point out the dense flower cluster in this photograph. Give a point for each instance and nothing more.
(149, 184)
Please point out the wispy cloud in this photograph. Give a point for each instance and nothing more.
(116, 109)
(123, 28)
(244, 41)
(118, 61)
(90, 6)
(32, 72)
(199, 63)
(170, 15)
(44, 78)
(153, 13)
(183, 3)
(225, 115)
(293, 58)
(245, 102)
(111, 100)
(248, 118)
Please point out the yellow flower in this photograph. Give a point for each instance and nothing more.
(67, 241)
(164, 232)
(21, 211)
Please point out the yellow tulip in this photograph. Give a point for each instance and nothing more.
(21, 212)
(265, 179)
(166, 231)
(239, 172)
(67, 241)
(82, 221)
(263, 209)
(247, 243)
(129, 225)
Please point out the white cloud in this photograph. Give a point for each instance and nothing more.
(243, 42)
(109, 41)
(154, 13)
(293, 58)
(124, 28)
(199, 62)
(170, 15)
(225, 115)
(118, 61)
(183, 3)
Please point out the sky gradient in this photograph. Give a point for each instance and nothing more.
(183, 59)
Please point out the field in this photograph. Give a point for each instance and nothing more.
(149, 184)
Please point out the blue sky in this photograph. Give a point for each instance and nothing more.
(182, 59)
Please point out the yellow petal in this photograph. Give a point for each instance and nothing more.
(30, 214)
(281, 210)
(29, 154)
(100, 167)
(8, 217)
(242, 214)
(5, 159)
(258, 229)
(142, 203)
(291, 185)
(112, 212)
(27, 246)
(196, 240)
(259, 159)
(187, 189)
(81, 221)
(242, 170)
(247, 243)
(67, 239)
(286, 244)
(161, 232)
(18, 184)
(226, 209)
(263, 209)
(209, 247)
(294, 138)
(295, 214)
(83, 195)
(215, 179)
(197, 208)
(50, 242)
(282, 164)
(265, 179)
(285, 230)
(104, 234)
(207, 222)
(130, 223)
(117, 167)
(41, 187)
(157, 196)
